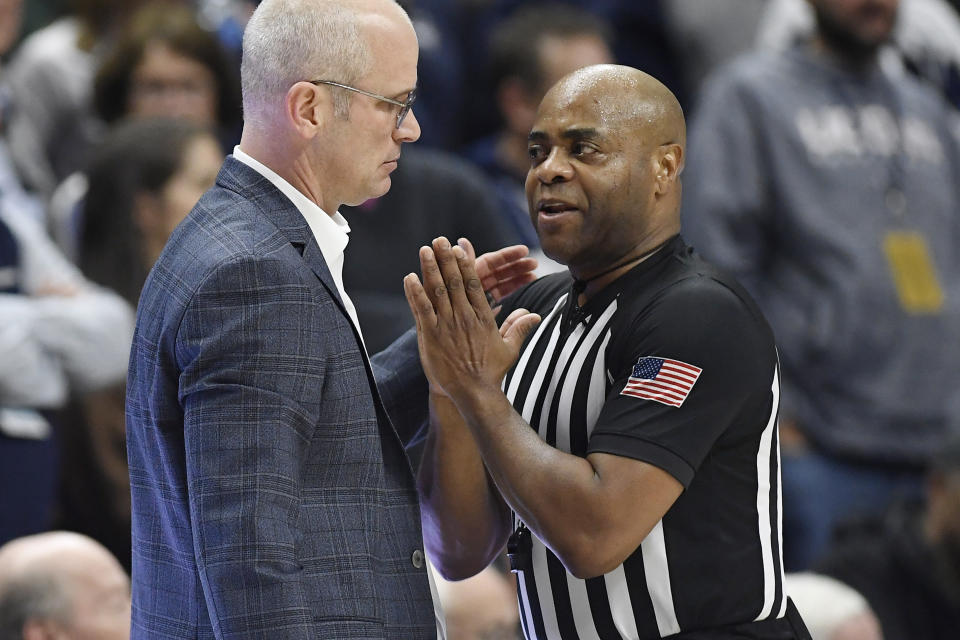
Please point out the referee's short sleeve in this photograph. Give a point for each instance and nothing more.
(703, 324)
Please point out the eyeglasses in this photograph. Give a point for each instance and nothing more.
(404, 106)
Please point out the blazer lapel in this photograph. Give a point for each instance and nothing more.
(243, 179)
(314, 259)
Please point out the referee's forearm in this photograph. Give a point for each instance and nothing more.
(550, 490)
(465, 521)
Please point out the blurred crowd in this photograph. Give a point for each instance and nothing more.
(823, 169)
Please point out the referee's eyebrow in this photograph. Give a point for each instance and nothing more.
(537, 136)
(575, 133)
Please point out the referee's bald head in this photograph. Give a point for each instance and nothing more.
(626, 97)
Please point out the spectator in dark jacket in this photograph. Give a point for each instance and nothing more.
(907, 565)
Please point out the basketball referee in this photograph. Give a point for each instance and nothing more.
(622, 439)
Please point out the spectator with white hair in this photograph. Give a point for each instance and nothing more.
(831, 609)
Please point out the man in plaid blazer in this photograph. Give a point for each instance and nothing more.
(272, 497)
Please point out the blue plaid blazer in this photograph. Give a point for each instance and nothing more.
(271, 494)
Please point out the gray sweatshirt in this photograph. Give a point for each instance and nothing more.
(835, 198)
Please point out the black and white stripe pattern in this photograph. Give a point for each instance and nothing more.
(559, 386)
(770, 521)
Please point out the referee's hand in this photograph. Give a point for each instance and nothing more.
(461, 348)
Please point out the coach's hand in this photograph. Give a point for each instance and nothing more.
(461, 348)
(503, 271)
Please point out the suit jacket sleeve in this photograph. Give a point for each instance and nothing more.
(403, 386)
(250, 361)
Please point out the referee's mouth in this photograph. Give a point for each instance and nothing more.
(553, 207)
(554, 215)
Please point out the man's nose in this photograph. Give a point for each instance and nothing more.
(555, 168)
(409, 130)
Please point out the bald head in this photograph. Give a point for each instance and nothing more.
(66, 581)
(624, 97)
(52, 551)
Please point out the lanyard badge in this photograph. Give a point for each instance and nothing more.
(914, 273)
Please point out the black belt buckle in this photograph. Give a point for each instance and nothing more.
(520, 549)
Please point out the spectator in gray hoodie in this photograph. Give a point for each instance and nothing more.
(832, 189)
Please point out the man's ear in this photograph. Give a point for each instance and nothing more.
(308, 108)
(669, 165)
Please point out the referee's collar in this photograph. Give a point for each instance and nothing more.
(637, 274)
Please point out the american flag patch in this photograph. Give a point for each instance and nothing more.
(661, 380)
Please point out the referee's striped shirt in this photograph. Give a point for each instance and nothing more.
(616, 382)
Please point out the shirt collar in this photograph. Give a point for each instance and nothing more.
(635, 275)
(330, 231)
